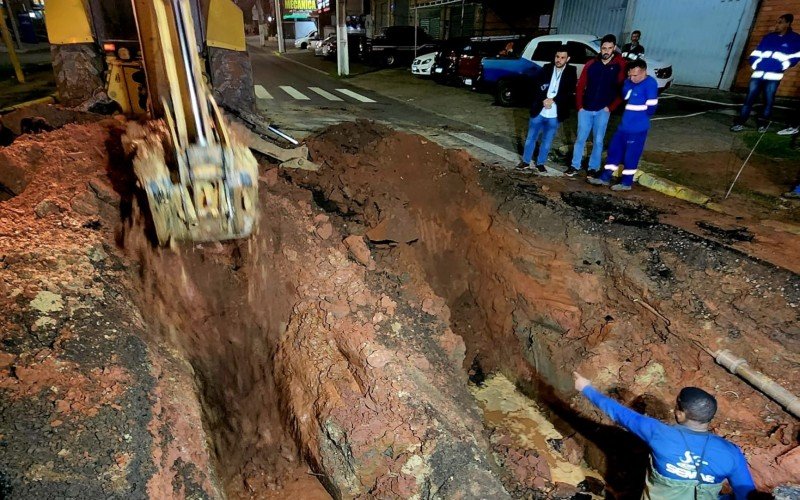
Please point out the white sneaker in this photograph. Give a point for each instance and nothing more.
(789, 131)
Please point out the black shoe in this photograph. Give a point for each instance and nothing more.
(597, 182)
(762, 129)
(523, 166)
(541, 169)
(570, 172)
(737, 128)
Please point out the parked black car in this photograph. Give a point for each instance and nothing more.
(459, 60)
(356, 46)
(396, 45)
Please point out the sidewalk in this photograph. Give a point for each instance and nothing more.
(28, 55)
(307, 58)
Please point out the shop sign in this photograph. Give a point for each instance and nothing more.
(298, 5)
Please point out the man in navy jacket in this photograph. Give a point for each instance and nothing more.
(553, 98)
(777, 52)
(597, 95)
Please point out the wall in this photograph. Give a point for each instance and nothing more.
(765, 21)
(594, 17)
(702, 53)
(702, 39)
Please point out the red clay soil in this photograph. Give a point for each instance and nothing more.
(88, 409)
(290, 338)
(757, 191)
(332, 348)
(214, 370)
(544, 277)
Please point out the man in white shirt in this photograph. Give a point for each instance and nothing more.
(553, 99)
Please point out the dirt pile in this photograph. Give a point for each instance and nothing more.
(536, 290)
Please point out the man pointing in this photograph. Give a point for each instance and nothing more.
(687, 461)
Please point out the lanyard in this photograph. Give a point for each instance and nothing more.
(557, 76)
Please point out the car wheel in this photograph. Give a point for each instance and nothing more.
(389, 60)
(505, 93)
(304, 45)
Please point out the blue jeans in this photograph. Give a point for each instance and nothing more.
(625, 148)
(589, 121)
(547, 127)
(756, 86)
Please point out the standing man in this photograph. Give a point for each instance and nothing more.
(553, 97)
(627, 145)
(687, 461)
(634, 48)
(777, 52)
(598, 94)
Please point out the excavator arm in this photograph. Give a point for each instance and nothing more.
(201, 184)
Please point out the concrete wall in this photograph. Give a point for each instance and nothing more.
(765, 22)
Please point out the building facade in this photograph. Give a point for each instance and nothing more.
(445, 19)
(702, 39)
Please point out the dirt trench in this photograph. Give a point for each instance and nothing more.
(329, 354)
(541, 281)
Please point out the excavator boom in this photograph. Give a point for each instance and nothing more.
(211, 191)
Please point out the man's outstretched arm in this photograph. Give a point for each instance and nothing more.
(640, 425)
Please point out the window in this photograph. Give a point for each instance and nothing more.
(546, 51)
(580, 53)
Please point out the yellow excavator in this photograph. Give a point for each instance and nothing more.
(162, 58)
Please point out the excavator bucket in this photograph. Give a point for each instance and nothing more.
(220, 199)
(201, 183)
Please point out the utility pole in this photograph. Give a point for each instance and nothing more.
(12, 54)
(279, 25)
(262, 24)
(342, 52)
(13, 23)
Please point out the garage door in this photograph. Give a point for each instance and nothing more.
(696, 36)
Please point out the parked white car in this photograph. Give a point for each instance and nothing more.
(305, 41)
(582, 48)
(423, 64)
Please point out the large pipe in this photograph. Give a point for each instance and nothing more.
(738, 366)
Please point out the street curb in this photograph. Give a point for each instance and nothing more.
(672, 189)
(51, 99)
(681, 192)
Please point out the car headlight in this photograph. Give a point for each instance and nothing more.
(664, 72)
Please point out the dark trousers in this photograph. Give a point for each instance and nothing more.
(625, 148)
(758, 85)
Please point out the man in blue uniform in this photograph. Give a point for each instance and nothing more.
(687, 461)
(640, 92)
(777, 52)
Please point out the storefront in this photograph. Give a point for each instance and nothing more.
(297, 18)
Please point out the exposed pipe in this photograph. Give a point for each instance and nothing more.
(738, 366)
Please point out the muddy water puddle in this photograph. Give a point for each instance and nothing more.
(509, 412)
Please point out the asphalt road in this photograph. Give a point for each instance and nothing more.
(301, 94)
(300, 98)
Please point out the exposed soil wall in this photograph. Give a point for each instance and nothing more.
(88, 408)
(334, 348)
(541, 283)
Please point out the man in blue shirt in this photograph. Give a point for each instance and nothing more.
(640, 92)
(687, 461)
(777, 52)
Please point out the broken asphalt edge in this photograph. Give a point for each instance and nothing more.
(682, 192)
(50, 99)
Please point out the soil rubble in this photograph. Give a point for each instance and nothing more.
(333, 347)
